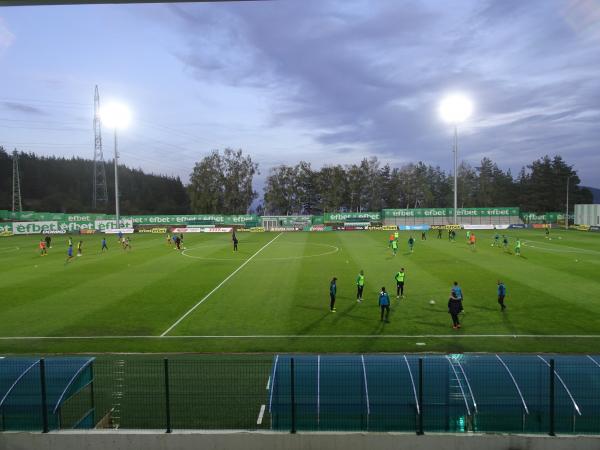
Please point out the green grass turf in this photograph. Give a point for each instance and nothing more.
(553, 289)
(206, 391)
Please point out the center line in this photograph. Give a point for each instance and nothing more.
(218, 286)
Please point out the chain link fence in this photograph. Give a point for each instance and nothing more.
(289, 393)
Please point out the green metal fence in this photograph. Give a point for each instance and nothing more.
(546, 394)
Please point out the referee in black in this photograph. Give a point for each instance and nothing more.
(332, 294)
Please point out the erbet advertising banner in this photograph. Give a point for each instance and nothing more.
(240, 219)
(449, 212)
(423, 227)
(445, 227)
(384, 228)
(56, 227)
(344, 217)
(30, 216)
(153, 230)
(486, 227)
(287, 221)
(203, 230)
(549, 217)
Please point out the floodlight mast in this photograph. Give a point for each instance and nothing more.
(455, 151)
(455, 109)
(117, 214)
(116, 116)
(567, 211)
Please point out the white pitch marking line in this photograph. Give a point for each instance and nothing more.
(218, 286)
(260, 415)
(313, 336)
(268, 383)
(285, 258)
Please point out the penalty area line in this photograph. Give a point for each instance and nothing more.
(189, 311)
(312, 336)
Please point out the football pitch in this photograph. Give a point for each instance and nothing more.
(273, 294)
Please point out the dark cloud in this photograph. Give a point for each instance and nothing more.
(23, 108)
(371, 73)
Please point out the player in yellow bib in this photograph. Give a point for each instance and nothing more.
(400, 283)
(394, 247)
(360, 285)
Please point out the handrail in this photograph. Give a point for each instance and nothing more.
(71, 381)
(273, 382)
(514, 382)
(468, 385)
(318, 388)
(366, 385)
(462, 391)
(593, 360)
(413, 385)
(564, 386)
(17, 382)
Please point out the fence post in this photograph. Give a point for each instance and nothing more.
(92, 393)
(292, 396)
(551, 431)
(420, 428)
(44, 399)
(167, 395)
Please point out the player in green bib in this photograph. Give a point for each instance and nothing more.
(400, 283)
(395, 246)
(518, 247)
(360, 285)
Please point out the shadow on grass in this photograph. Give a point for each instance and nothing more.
(340, 314)
(508, 323)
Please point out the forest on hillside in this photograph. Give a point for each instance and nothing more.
(65, 185)
(223, 182)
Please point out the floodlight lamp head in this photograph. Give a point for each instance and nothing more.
(115, 115)
(455, 108)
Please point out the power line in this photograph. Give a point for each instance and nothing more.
(45, 144)
(23, 127)
(158, 162)
(52, 102)
(179, 132)
(46, 122)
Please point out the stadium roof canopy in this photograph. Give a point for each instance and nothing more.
(481, 392)
(21, 390)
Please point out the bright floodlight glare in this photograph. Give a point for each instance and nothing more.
(115, 115)
(455, 108)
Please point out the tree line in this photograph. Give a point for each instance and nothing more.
(370, 186)
(222, 182)
(65, 185)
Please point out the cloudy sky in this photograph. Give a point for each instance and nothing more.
(319, 80)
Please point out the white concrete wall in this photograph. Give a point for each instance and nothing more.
(152, 440)
(587, 214)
